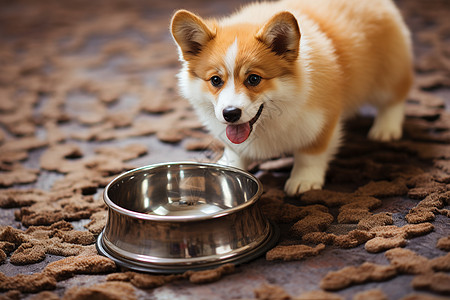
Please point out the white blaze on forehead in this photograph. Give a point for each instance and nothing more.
(230, 58)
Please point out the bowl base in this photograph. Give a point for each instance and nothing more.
(141, 266)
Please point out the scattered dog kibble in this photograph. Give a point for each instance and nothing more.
(384, 188)
(319, 295)
(350, 240)
(371, 295)
(409, 262)
(106, 290)
(316, 220)
(428, 207)
(271, 292)
(376, 220)
(436, 282)
(356, 275)
(32, 245)
(293, 252)
(387, 237)
(210, 275)
(18, 175)
(27, 283)
(147, 281)
(444, 243)
(423, 296)
(357, 210)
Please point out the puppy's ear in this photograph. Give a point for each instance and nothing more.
(190, 32)
(282, 35)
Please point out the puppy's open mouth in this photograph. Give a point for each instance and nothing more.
(238, 134)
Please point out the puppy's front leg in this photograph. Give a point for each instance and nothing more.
(231, 158)
(308, 172)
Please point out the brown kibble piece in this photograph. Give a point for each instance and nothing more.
(3, 256)
(383, 189)
(69, 206)
(22, 144)
(371, 295)
(27, 283)
(271, 292)
(318, 295)
(350, 240)
(355, 275)
(423, 191)
(436, 282)
(147, 281)
(407, 261)
(106, 290)
(317, 220)
(11, 295)
(379, 244)
(426, 150)
(128, 152)
(70, 266)
(350, 216)
(428, 207)
(97, 223)
(441, 263)
(76, 237)
(444, 243)
(211, 275)
(57, 158)
(144, 281)
(361, 202)
(18, 175)
(423, 297)
(376, 220)
(13, 156)
(293, 252)
(46, 295)
(18, 197)
(388, 237)
(326, 197)
(28, 253)
(7, 247)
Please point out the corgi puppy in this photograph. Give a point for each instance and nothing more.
(281, 77)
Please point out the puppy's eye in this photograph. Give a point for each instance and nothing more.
(253, 79)
(216, 81)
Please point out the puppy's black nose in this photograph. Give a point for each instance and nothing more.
(231, 114)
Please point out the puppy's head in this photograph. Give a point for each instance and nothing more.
(237, 68)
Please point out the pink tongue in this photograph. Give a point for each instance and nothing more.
(238, 133)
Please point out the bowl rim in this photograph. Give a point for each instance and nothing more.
(139, 215)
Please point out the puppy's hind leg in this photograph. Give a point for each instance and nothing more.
(388, 122)
(389, 97)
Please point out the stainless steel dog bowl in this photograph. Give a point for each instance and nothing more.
(169, 218)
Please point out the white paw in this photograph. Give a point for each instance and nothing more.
(233, 161)
(385, 132)
(223, 161)
(298, 185)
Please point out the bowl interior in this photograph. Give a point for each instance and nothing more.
(182, 190)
